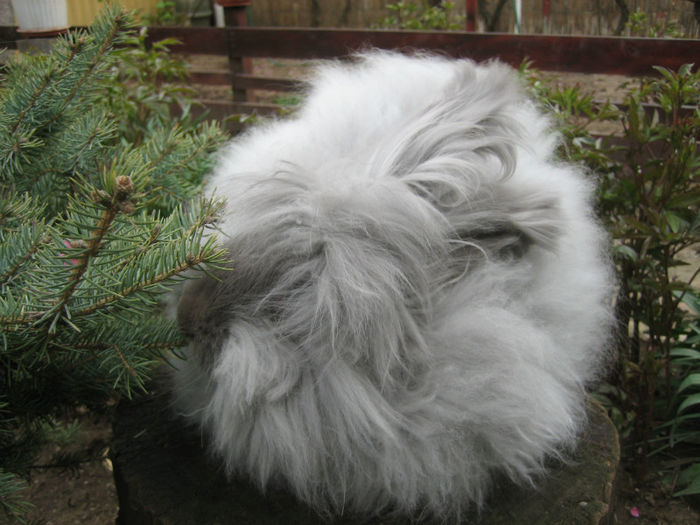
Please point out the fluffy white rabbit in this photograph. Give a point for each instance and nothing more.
(418, 299)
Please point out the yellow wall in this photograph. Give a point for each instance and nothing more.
(82, 12)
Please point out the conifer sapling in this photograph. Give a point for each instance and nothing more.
(93, 228)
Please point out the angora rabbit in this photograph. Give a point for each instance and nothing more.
(417, 299)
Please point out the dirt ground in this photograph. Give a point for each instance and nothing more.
(87, 496)
(84, 495)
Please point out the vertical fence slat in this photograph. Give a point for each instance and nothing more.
(471, 8)
(236, 15)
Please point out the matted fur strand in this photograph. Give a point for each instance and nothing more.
(418, 296)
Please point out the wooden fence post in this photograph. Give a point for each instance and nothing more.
(236, 15)
(471, 8)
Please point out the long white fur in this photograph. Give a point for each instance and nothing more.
(418, 294)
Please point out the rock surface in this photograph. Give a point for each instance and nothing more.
(164, 477)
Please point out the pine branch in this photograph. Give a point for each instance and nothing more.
(155, 233)
(50, 75)
(29, 252)
(59, 82)
(92, 247)
(31, 103)
(82, 259)
(21, 235)
(78, 147)
(126, 364)
(191, 261)
(177, 159)
(12, 503)
(116, 25)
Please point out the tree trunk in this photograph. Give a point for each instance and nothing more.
(164, 477)
(491, 20)
(624, 16)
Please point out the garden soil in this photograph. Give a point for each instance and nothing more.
(86, 495)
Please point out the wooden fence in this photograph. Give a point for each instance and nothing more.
(607, 55)
(572, 17)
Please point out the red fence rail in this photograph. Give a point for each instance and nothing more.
(626, 56)
(606, 55)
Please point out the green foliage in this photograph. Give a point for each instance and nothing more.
(146, 86)
(287, 100)
(684, 407)
(166, 14)
(423, 16)
(648, 197)
(11, 496)
(147, 98)
(641, 24)
(576, 112)
(96, 223)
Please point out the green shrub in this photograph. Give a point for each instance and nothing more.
(642, 25)
(649, 199)
(423, 16)
(166, 14)
(147, 87)
(680, 435)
